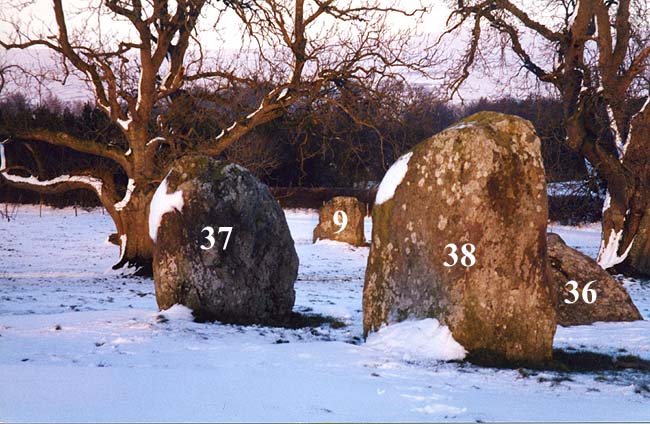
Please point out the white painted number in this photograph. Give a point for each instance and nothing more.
(453, 254)
(588, 295)
(226, 230)
(210, 236)
(468, 258)
(340, 218)
(467, 250)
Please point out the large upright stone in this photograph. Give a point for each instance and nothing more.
(249, 280)
(480, 182)
(341, 219)
(612, 302)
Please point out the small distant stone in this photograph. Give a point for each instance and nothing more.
(342, 219)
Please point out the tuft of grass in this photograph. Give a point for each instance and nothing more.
(566, 361)
(293, 321)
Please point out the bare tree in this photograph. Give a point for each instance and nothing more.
(595, 54)
(308, 48)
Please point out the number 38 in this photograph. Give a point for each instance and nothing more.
(467, 250)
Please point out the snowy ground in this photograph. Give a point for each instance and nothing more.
(79, 342)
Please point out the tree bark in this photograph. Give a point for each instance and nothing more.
(132, 222)
(625, 237)
(633, 216)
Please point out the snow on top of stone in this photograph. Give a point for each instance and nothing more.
(423, 340)
(162, 203)
(392, 179)
(461, 125)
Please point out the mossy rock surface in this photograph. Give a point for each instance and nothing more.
(479, 182)
(612, 302)
(251, 280)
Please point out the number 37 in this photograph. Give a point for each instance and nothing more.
(210, 236)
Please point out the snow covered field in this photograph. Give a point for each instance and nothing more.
(79, 342)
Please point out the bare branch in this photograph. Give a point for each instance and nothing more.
(58, 138)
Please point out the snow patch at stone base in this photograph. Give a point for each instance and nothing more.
(423, 340)
(178, 313)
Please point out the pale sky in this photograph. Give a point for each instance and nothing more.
(39, 16)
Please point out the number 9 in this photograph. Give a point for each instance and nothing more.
(340, 218)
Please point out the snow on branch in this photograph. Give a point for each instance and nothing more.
(3, 160)
(95, 183)
(130, 188)
(608, 254)
(156, 141)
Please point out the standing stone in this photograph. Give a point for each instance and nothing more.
(341, 219)
(480, 182)
(251, 280)
(612, 303)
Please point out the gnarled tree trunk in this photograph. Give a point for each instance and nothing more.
(626, 222)
(132, 223)
(130, 214)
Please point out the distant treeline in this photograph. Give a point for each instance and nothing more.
(348, 143)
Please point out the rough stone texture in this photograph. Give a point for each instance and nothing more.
(249, 282)
(353, 232)
(612, 303)
(481, 182)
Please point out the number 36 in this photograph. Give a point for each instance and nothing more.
(588, 295)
